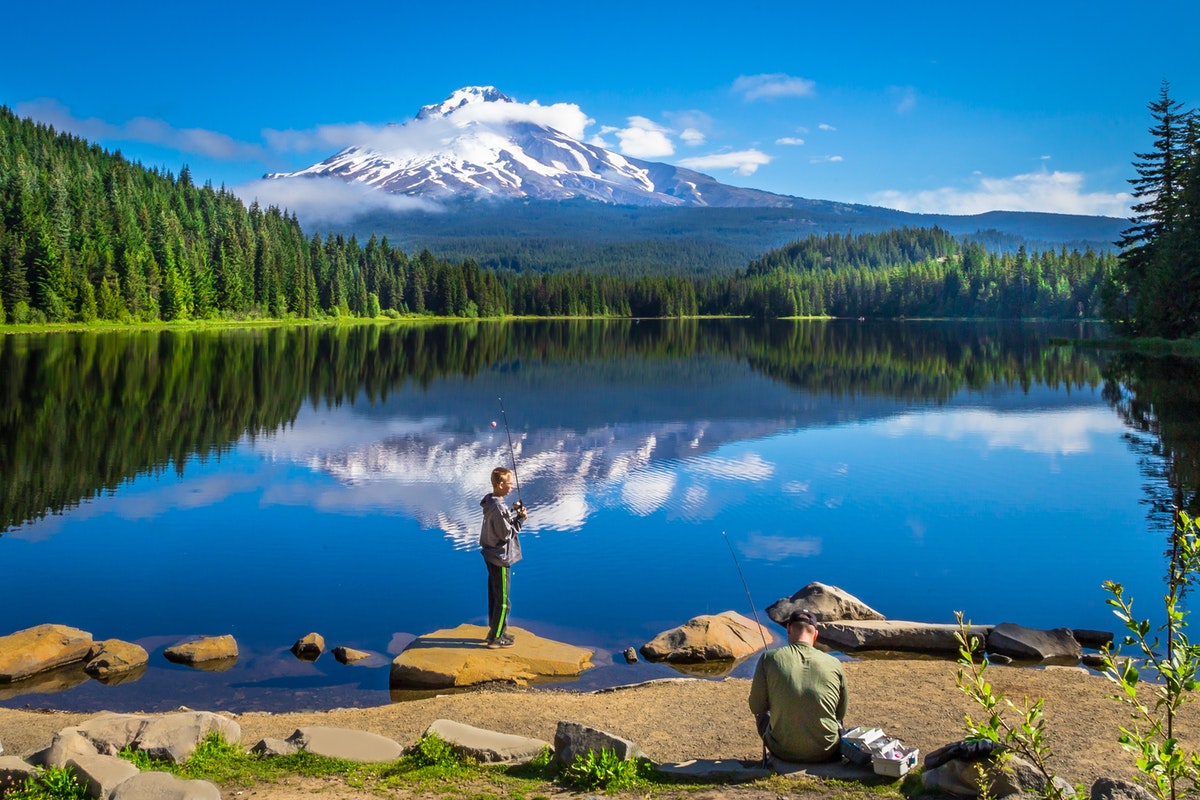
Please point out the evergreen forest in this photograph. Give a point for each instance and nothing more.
(87, 235)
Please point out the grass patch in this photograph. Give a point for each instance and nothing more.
(218, 761)
(52, 783)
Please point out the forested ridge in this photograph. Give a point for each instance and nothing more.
(87, 235)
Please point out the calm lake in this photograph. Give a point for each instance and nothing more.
(268, 483)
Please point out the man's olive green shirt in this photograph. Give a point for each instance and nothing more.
(805, 691)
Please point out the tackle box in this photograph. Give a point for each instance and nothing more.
(886, 755)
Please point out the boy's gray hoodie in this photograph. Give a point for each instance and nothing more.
(498, 536)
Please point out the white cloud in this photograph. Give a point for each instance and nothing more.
(193, 141)
(693, 137)
(1051, 433)
(324, 201)
(645, 138)
(824, 126)
(777, 84)
(906, 98)
(1053, 192)
(743, 162)
(789, 140)
(826, 160)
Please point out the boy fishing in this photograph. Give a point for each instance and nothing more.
(501, 549)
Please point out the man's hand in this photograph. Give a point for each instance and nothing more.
(522, 513)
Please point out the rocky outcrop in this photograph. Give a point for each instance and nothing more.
(351, 745)
(172, 736)
(459, 657)
(216, 651)
(486, 746)
(1029, 644)
(40, 649)
(112, 657)
(1114, 789)
(827, 602)
(727, 636)
(911, 637)
(309, 647)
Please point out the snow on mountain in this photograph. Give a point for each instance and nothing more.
(479, 143)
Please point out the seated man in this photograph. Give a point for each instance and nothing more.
(804, 692)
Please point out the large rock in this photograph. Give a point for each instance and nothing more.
(164, 786)
(41, 648)
(572, 739)
(1030, 644)
(962, 778)
(459, 657)
(1115, 789)
(347, 744)
(827, 602)
(172, 736)
(487, 746)
(206, 649)
(910, 637)
(727, 636)
(100, 775)
(113, 657)
(66, 744)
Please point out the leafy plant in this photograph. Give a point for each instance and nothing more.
(1164, 763)
(433, 751)
(602, 769)
(51, 783)
(1025, 737)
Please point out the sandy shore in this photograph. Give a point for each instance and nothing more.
(675, 720)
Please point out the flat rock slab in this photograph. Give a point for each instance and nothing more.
(344, 743)
(720, 769)
(487, 746)
(99, 775)
(890, 634)
(205, 650)
(41, 648)
(459, 657)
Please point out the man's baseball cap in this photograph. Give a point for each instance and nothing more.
(801, 616)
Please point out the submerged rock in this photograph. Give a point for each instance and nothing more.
(309, 647)
(202, 650)
(113, 657)
(1031, 644)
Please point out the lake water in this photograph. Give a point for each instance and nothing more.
(268, 483)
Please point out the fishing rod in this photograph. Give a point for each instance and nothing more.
(511, 454)
(762, 631)
(745, 586)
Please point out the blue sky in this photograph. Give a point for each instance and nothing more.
(934, 107)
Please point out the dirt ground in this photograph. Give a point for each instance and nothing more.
(676, 720)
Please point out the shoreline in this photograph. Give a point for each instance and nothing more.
(676, 719)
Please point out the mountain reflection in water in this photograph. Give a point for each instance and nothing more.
(271, 482)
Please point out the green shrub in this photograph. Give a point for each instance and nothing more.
(433, 751)
(601, 770)
(52, 783)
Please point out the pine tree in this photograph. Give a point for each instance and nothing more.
(1144, 298)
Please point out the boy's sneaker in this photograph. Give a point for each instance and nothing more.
(503, 641)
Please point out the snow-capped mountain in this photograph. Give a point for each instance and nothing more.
(479, 143)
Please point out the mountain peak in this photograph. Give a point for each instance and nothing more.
(466, 96)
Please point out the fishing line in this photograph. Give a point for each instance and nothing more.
(745, 586)
(511, 454)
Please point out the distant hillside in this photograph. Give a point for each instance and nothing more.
(545, 236)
